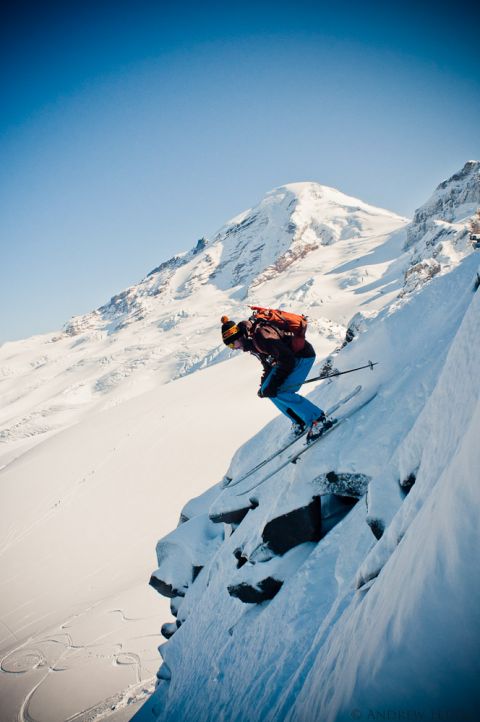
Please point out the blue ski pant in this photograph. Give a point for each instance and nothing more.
(296, 407)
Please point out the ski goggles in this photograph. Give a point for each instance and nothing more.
(232, 331)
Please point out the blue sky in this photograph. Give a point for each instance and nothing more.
(131, 129)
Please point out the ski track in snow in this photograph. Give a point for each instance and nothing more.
(32, 655)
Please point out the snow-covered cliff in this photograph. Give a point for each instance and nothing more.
(454, 200)
(344, 586)
(438, 235)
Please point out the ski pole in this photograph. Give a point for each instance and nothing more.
(370, 366)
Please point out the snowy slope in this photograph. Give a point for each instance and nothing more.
(80, 514)
(353, 622)
(419, 619)
(107, 430)
(243, 661)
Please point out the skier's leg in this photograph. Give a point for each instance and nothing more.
(293, 405)
(299, 405)
(281, 406)
(299, 373)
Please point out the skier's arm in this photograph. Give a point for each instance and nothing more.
(284, 359)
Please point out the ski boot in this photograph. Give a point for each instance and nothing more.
(296, 430)
(318, 427)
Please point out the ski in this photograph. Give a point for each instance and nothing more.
(293, 458)
(276, 453)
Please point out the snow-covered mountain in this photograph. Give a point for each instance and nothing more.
(109, 426)
(305, 245)
(439, 233)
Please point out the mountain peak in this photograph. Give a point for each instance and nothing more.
(454, 200)
(290, 222)
(471, 168)
(313, 191)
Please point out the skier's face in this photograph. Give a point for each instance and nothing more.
(237, 344)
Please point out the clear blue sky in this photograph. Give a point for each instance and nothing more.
(130, 129)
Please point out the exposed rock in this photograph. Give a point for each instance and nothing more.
(265, 590)
(196, 572)
(343, 484)
(334, 509)
(355, 326)
(239, 556)
(459, 194)
(80, 324)
(407, 483)
(377, 526)
(230, 510)
(168, 629)
(183, 553)
(172, 263)
(312, 522)
(291, 256)
(233, 517)
(261, 576)
(175, 605)
(295, 527)
(327, 368)
(165, 589)
(419, 273)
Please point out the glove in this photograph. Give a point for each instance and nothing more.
(269, 393)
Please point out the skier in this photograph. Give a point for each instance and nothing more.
(284, 371)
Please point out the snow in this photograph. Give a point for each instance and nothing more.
(111, 426)
(81, 513)
(186, 548)
(421, 614)
(347, 636)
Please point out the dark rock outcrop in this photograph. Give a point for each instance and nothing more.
(166, 590)
(295, 527)
(168, 629)
(231, 516)
(342, 484)
(262, 592)
(183, 553)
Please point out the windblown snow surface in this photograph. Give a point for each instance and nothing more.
(111, 425)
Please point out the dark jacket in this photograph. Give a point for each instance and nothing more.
(273, 349)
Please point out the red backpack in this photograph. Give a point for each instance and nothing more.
(290, 324)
